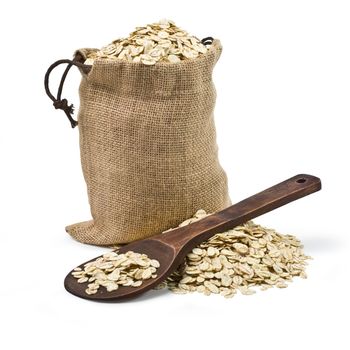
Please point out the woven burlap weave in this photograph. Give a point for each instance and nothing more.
(148, 147)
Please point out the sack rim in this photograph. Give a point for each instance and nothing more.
(80, 55)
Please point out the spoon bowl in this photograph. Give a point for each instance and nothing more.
(154, 249)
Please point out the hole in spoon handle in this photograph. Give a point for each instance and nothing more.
(274, 197)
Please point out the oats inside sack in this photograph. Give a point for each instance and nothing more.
(157, 42)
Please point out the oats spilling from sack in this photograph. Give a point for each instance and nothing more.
(113, 270)
(236, 260)
(157, 42)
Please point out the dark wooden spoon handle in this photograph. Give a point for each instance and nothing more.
(185, 238)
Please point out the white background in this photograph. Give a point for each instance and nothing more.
(283, 85)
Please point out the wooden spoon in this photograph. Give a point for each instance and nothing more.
(170, 248)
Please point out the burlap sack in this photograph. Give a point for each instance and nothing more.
(148, 147)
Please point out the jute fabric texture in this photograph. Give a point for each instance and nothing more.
(148, 147)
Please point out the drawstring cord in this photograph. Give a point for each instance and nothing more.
(58, 102)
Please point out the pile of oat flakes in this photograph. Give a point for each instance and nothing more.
(157, 42)
(239, 259)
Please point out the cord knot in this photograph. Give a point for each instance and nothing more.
(63, 104)
(68, 109)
